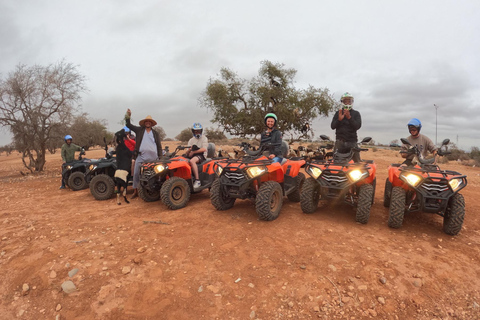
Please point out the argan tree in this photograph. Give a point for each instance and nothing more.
(239, 106)
(36, 100)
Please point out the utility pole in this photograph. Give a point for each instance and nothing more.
(436, 122)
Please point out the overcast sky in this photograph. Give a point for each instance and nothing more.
(398, 58)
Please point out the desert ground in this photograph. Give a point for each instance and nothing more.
(144, 261)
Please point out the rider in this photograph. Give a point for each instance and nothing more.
(416, 139)
(346, 122)
(272, 136)
(68, 152)
(198, 151)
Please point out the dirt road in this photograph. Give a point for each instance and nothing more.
(143, 261)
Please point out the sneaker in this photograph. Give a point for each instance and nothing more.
(197, 184)
(62, 187)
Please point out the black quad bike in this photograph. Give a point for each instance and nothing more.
(341, 179)
(73, 173)
(420, 185)
(257, 178)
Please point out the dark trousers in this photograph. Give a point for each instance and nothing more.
(345, 147)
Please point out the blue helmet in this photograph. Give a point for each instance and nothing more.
(197, 126)
(126, 129)
(68, 137)
(415, 123)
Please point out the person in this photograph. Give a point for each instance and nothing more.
(416, 139)
(346, 123)
(68, 153)
(198, 151)
(273, 137)
(148, 146)
(130, 144)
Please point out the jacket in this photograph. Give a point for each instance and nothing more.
(139, 132)
(275, 138)
(346, 130)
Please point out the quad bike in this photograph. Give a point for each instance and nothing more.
(256, 177)
(420, 185)
(170, 178)
(340, 178)
(73, 173)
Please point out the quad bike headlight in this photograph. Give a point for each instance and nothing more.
(455, 183)
(314, 172)
(218, 170)
(412, 179)
(92, 167)
(68, 167)
(356, 174)
(159, 168)
(254, 172)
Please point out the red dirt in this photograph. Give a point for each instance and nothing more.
(207, 264)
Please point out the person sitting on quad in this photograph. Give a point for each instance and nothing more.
(273, 137)
(148, 146)
(346, 123)
(198, 151)
(68, 153)
(416, 139)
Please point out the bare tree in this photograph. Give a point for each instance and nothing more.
(34, 101)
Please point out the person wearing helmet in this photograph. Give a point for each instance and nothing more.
(273, 137)
(346, 123)
(68, 152)
(148, 146)
(422, 142)
(198, 151)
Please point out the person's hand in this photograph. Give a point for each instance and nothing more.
(129, 112)
(346, 113)
(340, 115)
(190, 154)
(271, 156)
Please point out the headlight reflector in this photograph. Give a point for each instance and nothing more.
(253, 172)
(356, 175)
(159, 168)
(455, 183)
(218, 170)
(315, 172)
(412, 179)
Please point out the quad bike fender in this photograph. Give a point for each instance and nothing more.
(275, 173)
(292, 167)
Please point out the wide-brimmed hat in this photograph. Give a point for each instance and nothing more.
(148, 118)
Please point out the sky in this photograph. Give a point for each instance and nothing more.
(397, 58)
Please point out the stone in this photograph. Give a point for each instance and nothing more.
(417, 283)
(59, 307)
(141, 249)
(126, 270)
(72, 272)
(332, 267)
(53, 274)
(381, 300)
(68, 287)
(362, 287)
(383, 280)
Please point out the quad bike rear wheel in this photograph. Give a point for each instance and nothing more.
(102, 187)
(387, 193)
(310, 196)
(397, 207)
(296, 194)
(77, 181)
(268, 202)
(219, 200)
(365, 196)
(175, 193)
(148, 195)
(453, 219)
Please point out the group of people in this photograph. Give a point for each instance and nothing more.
(147, 146)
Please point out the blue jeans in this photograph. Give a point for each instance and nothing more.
(277, 159)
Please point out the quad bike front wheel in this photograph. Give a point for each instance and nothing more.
(175, 193)
(310, 196)
(148, 195)
(397, 207)
(77, 181)
(296, 194)
(102, 187)
(365, 199)
(453, 219)
(269, 200)
(220, 200)
(387, 193)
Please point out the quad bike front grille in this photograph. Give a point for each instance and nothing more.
(334, 179)
(434, 187)
(148, 173)
(234, 176)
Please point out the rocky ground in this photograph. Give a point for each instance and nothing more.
(64, 255)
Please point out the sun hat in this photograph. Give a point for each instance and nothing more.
(148, 118)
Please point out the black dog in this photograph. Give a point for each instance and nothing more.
(124, 164)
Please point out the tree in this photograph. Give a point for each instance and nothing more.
(34, 101)
(161, 132)
(86, 132)
(215, 134)
(239, 106)
(184, 135)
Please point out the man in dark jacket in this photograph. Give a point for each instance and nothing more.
(148, 146)
(346, 122)
(272, 137)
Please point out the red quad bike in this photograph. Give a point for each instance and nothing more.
(257, 178)
(170, 179)
(420, 185)
(340, 178)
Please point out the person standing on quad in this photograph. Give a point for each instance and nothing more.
(273, 137)
(198, 151)
(68, 152)
(148, 146)
(346, 123)
(422, 142)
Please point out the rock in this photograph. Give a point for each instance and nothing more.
(316, 309)
(383, 280)
(141, 249)
(59, 307)
(72, 272)
(252, 314)
(251, 285)
(303, 267)
(200, 289)
(137, 260)
(417, 275)
(53, 274)
(417, 283)
(290, 304)
(68, 287)
(381, 300)
(25, 289)
(372, 312)
(362, 287)
(126, 270)
(332, 267)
